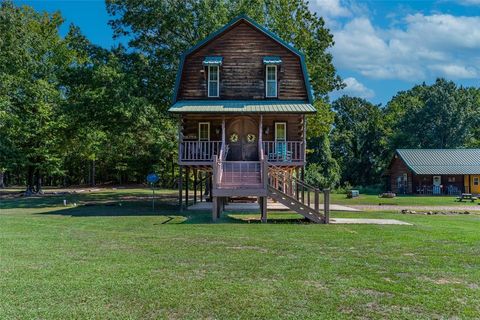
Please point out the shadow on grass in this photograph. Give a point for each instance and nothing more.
(52, 200)
(130, 205)
(169, 211)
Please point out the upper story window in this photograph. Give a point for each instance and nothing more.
(204, 131)
(271, 81)
(213, 81)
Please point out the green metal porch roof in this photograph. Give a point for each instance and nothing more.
(242, 106)
(441, 161)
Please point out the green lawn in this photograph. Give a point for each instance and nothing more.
(365, 199)
(107, 260)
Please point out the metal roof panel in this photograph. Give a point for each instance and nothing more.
(242, 106)
(442, 161)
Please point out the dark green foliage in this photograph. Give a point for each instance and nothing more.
(358, 140)
(364, 136)
(71, 111)
(322, 171)
(441, 115)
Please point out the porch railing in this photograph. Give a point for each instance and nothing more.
(199, 150)
(284, 151)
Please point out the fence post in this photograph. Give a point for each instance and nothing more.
(317, 200)
(326, 205)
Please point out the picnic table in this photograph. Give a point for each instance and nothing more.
(466, 196)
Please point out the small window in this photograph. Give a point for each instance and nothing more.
(213, 83)
(271, 81)
(280, 131)
(451, 179)
(476, 181)
(204, 131)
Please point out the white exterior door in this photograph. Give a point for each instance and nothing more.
(437, 182)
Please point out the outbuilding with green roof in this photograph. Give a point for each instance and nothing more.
(435, 171)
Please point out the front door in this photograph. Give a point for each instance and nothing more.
(242, 139)
(437, 182)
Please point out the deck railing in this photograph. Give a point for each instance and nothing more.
(240, 174)
(284, 151)
(199, 150)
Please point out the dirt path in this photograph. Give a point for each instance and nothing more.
(418, 208)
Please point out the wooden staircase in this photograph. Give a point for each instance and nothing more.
(263, 179)
(295, 205)
(296, 194)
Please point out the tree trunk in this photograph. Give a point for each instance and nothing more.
(29, 190)
(93, 173)
(2, 183)
(38, 183)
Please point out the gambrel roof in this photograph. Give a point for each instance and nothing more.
(262, 29)
(441, 161)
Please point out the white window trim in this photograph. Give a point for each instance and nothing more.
(218, 81)
(199, 130)
(266, 81)
(276, 131)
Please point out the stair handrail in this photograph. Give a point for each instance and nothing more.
(279, 173)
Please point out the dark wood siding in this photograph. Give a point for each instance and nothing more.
(242, 74)
(397, 169)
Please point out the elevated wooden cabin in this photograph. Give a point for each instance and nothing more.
(242, 96)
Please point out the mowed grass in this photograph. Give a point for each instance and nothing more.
(402, 200)
(110, 261)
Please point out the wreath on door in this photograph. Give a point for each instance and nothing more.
(234, 137)
(251, 138)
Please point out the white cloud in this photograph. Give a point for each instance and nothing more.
(424, 46)
(331, 8)
(356, 89)
(455, 71)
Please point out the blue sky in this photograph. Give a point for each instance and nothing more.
(381, 47)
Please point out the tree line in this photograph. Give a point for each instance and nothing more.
(75, 113)
(365, 136)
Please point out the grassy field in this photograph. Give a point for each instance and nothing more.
(366, 199)
(112, 257)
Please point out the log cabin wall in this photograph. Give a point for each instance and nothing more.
(294, 126)
(242, 74)
(399, 168)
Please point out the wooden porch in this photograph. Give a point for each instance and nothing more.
(244, 138)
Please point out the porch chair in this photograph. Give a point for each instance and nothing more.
(282, 154)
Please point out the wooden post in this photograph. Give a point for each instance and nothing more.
(297, 189)
(214, 208)
(210, 187)
(180, 188)
(195, 181)
(201, 185)
(263, 208)
(302, 177)
(304, 138)
(223, 138)
(326, 205)
(187, 173)
(317, 200)
(260, 138)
